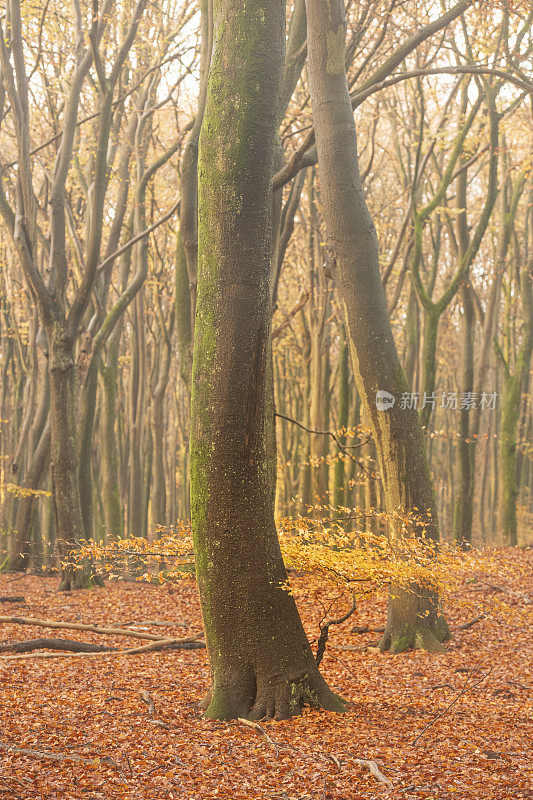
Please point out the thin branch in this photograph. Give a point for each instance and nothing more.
(41, 755)
(139, 236)
(373, 767)
(288, 317)
(96, 114)
(297, 159)
(463, 691)
(335, 438)
(324, 631)
(78, 626)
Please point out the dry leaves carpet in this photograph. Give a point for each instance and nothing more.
(93, 712)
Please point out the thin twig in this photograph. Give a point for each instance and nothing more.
(261, 731)
(324, 631)
(464, 690)
(142, 235)
(466, 625)
(11, 748)
(147, 698)
(335, 438)
(374, 769)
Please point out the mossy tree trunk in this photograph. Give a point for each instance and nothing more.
(508, 448)
(412, 326)
(22, 544)
(87, 412)
(515, 383)
(353, 247)
(261, 662)
(64, 456)
(35, 462)
(137, 420)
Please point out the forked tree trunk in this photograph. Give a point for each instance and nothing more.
(261, 662)
(64, 457)
(353, 249)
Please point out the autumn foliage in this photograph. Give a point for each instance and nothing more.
(80, 726)
(332, 558)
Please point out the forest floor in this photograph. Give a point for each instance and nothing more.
(90, 712)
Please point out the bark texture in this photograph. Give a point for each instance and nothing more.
(261, 661)
(69, 526)
(353, 261)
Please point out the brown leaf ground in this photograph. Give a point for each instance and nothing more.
(91, 706)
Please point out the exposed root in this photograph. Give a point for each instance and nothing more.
(277, 698)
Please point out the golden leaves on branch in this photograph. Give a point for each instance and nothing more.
(334, 548)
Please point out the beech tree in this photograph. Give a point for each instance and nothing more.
(261, 661)
(414, 618)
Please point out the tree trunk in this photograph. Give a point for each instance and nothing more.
(353, 250)
(412, 347)
(464, 507)
(508, 485)
(319, 417)
(339, 488)
(159, 498)
(64, 457)
(86, 443)
(113, 516)
(304, 473)
(136, 421)
(25, 510)
(261, 662)
(429, 363)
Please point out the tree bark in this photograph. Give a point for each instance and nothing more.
(339, 487)
(353, 249)
(64, 456)
(20, 559)
(261, 662)
(113, 515)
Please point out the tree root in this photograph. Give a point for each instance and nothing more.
(278, 698)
